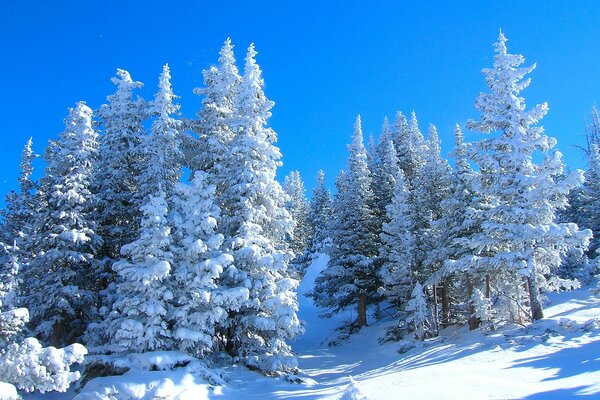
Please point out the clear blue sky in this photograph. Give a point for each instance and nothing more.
(323, 62)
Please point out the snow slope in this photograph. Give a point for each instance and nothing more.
(557, 358)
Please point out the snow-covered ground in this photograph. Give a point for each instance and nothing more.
(557, 358)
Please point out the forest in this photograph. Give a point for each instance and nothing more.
(149, 231)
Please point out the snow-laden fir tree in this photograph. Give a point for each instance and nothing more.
(139, 319)
(458, 221)
(120, 164)
(255, 225)
(519, 234)
(384, 172)
(215, 124)
(17, 217)
(419, 319)
(351, 275)
(298, 207)
(162, 148)
(410, 146)
(320, 216)
(397, 253)
(58, 280)
(199, 304)
(25, 363)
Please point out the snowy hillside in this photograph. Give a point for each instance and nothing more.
(555, 358)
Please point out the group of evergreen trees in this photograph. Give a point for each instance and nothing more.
(111, 248)
(475, 244)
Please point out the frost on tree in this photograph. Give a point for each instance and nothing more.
(139, 319)
(397, 253)
(60, 277)
(519, 236)
(215, 124)
(351, 275)
(17, 217)
(120, 164)
(199, 303)
(255, 225)
(162, 148)
(25, 363)
(418, 318)
(320, 216)
(298, 208)
(460, 219)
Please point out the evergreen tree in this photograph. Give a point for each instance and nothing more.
(59, 277)
(162, 149)
(298, 208)
(418, 319)
(17, 217)
(139, 320)
(255, 225)
(519, 234)
(199, 303)
(120, 164)
(25, 363)
(397, 253)
(320, 216)
(215, 124)
(351, 277)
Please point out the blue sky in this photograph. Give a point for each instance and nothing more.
(323, 62)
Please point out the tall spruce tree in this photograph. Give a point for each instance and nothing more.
(162, 148)
(351, 277)
(320, 216)
(255, 225)
(120, 164)
(139, 319)
(199, 304)
(298, 207)
(60, 276)
(519, 234)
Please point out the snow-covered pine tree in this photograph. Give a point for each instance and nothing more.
(139, 319)
(199, 303)
(25, 363)
(459, 220)
(351, 276)
(17, 217)
(320, 216)
(384, 173)
(255, 225)
(162, 148)
(120, 163)
(519, 234)
(215, 124)
(298, 207)
(397, 252)
(410, 146)
(59, 277)
(419, 319)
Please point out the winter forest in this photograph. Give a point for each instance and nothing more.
(154, 236)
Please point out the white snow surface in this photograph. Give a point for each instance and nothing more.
(556, 358)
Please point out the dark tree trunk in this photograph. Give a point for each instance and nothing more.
(473, 320)
(535, 302)
(436, 321)
(488, 289)
(445, 305)
(58, 330)
(362, 310)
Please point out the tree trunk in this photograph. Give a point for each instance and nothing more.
(445, 305)
(535, 302)
(362, 310)
(488, 289)
(436, 322)
(473, 320)
(58, 330)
